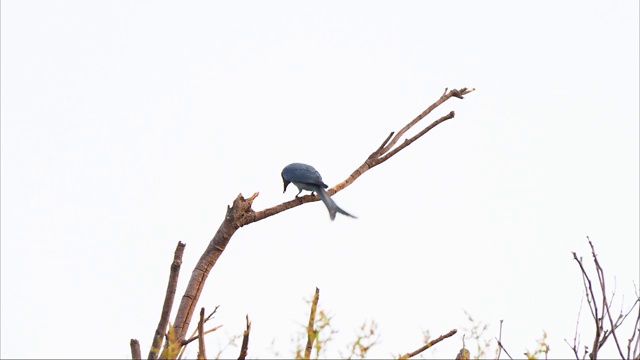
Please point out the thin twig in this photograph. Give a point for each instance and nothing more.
(428, 345)
(202, 354)
(408, 142)
(505, 350)
(245, 341)
(194, 335)
(500, 339)
(602, 334)
(576, 340)
(168, 301)
(636, 350)
(600, 273)
(636, 330)
(445, 96)
(636, 327)
(575, 351)
(591, 300)
(311, 332)
(380, 150)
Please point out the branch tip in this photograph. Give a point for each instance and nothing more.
(135, 349)
(245, 341)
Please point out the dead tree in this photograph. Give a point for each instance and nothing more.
(241, 214)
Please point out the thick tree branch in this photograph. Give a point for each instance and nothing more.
(168, 301)
(241, 213)
(233, 220)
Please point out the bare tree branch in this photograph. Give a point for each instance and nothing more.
(445, 96)
(241, 213)
(168, 301)
(428, 345)
(576, 337)
(234, 219)
(592, 304)
(602, 334)
(502, 347)
(636, 332)
(195, 335)
(202, 354)
(499, 340)
(244, 349)
(135, 349)
(605, 303)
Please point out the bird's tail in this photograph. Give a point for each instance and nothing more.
(331, 205)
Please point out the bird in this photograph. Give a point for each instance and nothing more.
(306, 177)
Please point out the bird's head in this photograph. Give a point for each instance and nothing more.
(285, 181)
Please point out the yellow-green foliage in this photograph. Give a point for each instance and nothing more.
(171, 351)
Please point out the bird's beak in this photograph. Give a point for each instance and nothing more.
(286, 183)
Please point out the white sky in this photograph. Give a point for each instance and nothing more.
(128, 126)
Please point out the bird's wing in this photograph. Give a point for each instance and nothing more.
(308, 175)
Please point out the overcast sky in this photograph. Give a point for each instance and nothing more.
(129, 126)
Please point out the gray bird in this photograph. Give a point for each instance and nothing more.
(306, 177)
